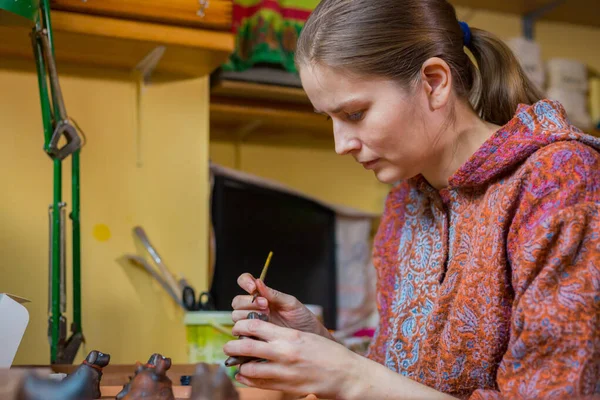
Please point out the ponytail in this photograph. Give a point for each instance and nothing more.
(499, 82)
(393, 38)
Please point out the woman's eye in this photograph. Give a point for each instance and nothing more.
(357, 116)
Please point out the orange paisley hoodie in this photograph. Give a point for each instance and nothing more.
(490, 288)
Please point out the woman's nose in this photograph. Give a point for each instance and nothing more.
(344, 142)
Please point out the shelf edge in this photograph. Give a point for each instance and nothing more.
(142, 31)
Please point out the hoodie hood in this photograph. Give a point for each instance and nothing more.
(532, 128)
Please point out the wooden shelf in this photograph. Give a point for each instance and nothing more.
(582, 12)
(266, 113)
(245, 118)
(118, 44)
(185, 392)
(114, 377)
(249, 90)
(215, 14)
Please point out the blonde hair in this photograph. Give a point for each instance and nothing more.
(393, 38)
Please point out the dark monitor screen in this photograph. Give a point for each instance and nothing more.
(250, 220)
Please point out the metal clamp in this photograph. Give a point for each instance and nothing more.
(62, 124)
(202, 10)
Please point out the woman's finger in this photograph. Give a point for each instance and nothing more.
(276, 297)
(268, 384)
(263, 330)
(244, 302)
(266, 370)
(254, 383)
(238, 315)
(250, 348)
(246, 282)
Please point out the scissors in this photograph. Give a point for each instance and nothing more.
(205, 301)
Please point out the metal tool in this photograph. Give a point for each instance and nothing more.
(140, 261)
(183, 283)
(62, 337)
(50, 289)
(62, 125)
(166, 273)
(204, 303)
(181, 291)
(263, 274)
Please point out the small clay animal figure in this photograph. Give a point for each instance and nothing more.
(150, 381)
(82, 384)
(231, 361)
(150, 364)
(210, 382)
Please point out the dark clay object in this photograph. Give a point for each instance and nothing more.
(150, 364)
(185, 380)
(82, 384)
(150, 381)
(231, 361)
(210, 382)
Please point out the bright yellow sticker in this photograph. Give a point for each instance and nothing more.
(101, 232)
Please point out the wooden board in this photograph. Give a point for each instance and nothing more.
(184, 392)
(262, 113)
(180, 392)
(257, 91)
(116, 44)
(215, 14)
(273, 121)
(118, 375)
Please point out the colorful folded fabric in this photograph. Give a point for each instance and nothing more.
(266, 32)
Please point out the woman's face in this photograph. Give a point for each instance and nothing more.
(375, 120)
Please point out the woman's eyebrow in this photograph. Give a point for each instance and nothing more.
(340, 106)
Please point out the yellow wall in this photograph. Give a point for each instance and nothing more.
(124, 313)
(337, 179)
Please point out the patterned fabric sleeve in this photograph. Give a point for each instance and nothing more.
(554, 253)
(385, 251)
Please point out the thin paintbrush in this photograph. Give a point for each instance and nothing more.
(263, 274)
(239, 360)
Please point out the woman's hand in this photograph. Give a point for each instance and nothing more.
(301, 363)
(283, 310)
(297, 362)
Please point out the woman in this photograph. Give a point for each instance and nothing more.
(487, 253)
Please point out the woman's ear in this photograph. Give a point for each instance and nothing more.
(437, 82)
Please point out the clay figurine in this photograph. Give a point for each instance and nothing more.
(150, 381)
(210, 382)
(82, 384)
(231, 361)
(150, 364)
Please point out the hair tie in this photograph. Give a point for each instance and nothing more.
(466, 33)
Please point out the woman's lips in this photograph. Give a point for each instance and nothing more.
(370, 164)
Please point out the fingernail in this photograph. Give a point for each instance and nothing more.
(262, 302)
